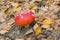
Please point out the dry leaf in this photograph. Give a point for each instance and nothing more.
(16, 5)
(6, 27)
(37, 29)
(47, 21)
(3, 31)
(45, 26)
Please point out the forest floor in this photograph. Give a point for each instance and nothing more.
(47, 20)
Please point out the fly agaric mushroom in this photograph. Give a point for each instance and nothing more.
(24, 18)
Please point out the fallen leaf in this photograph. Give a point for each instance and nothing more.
(37, 29)
(47, 21)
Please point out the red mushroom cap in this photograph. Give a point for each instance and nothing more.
(25, 18)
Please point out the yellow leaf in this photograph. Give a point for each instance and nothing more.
(35, 7)
(16, 5)
(38, 0)
(37, 29)
(47, 22)
(6, 9)
(29, 6)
